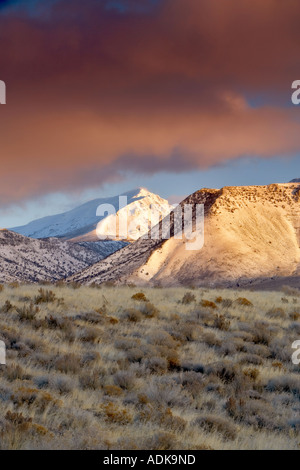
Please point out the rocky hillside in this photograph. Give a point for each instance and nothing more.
(252, 234)
(28, 260)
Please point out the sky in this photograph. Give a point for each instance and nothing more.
(173, 95)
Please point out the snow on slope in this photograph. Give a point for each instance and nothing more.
(28, 260)
(80, 223)
(251, 234)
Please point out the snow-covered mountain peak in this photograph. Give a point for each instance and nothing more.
(80, 223)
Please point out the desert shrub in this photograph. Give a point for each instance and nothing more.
(188, 332)
(116, 415)
(89, 334)
(41, 381)
(14, 431)
(208, 304)
(103, 309)
(243, 332)
(294, 315)
(112, 320)
(277, 313)
(135, 354)
(254, 413)
(61, 323)
(14, 372)
(9, 335)
(192, 382)
(284, 300)
(171, 422)
(127, 343)
(210, 339)
(24, 298)
(188, 298)
(284, 383)
(257, 349)
(280, 349)
(228, 348)
(251, 372)
(22, 348)
(28, 396)
(7, 307)
(132, 314)
(232, 406)
(113, 390)
(214, 423)
(14, 285)
(204, 317)
(294, 424)
(163, 417)
(162, 338)
(18, 432)
(1, 287)
(243, 302)
(75, 285)
(277, 364)
(225, 371)
(221, 322)
(44, 296)
(291, 291)
(156, 364)
(109, 284)
(261, 334)
(218, 300)
(46, 400)
(68, 363)
(60, 283)
(96, 317)
(295, 327)
(167, 394)
(252, 359)
(90, 380)
(62, 384)
(161, 441)
(139, 296)
(124, 379)
(27, 313)
(149, 310)
(171, 355)
(17, 418)
(226, 303)
(90, 357)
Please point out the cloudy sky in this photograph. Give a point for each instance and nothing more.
(174, 95)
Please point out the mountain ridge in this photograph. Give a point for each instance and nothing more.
(80, 223)
(251, 233)
(25, 259)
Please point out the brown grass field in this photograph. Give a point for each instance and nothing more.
(153, 368)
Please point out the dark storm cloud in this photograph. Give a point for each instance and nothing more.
(97, 88)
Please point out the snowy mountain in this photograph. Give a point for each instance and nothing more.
(251, 236)
(27, 260)
(80, 224)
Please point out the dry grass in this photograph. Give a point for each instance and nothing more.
(114, 368)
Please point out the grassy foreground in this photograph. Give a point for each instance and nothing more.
(103, 368)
